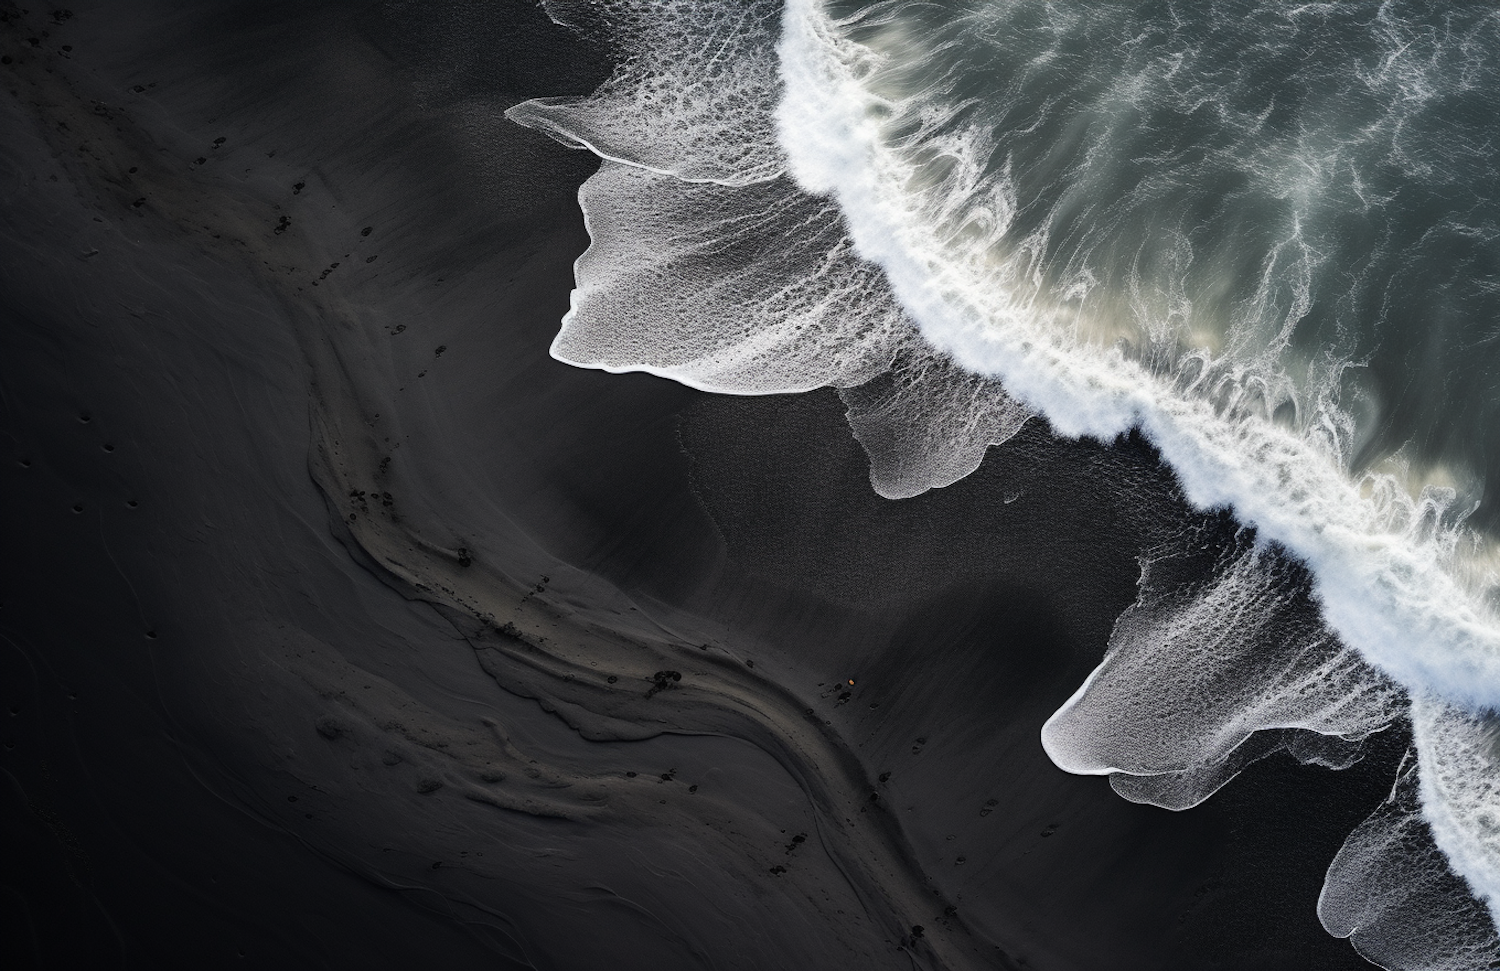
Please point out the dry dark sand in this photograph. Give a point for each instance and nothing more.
(345, 628)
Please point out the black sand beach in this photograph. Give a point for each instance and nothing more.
(345, 628)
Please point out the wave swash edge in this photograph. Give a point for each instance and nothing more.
(842, 228)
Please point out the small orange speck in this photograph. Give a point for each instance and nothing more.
(851, 680)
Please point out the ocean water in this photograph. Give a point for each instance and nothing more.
(1265, 234)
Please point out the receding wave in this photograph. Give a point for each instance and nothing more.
(1259, 233)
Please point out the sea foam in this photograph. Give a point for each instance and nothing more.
(1264, 675)
(793, 199)
(1387, 566)
(1387, 580)
(710, 266)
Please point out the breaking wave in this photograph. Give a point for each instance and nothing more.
(1257, 232)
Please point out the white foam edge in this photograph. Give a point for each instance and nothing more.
(1384, 595)
(530, 114)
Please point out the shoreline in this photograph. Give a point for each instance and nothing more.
(655, 512)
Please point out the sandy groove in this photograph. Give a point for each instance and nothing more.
(527, 644)
(535, 650)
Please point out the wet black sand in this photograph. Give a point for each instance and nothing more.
(246, 727)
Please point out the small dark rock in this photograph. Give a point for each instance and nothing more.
(662, 680)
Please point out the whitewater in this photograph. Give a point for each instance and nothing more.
(826, 200)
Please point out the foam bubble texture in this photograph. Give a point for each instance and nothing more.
(927, 423)
(691, 94)
(1210, 655)
(1101, 338)
(1387, 561)
(742, 289)
(1391, 892)
(928, 275)
(737, 281)
(1183, 790)
(1460, 787)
